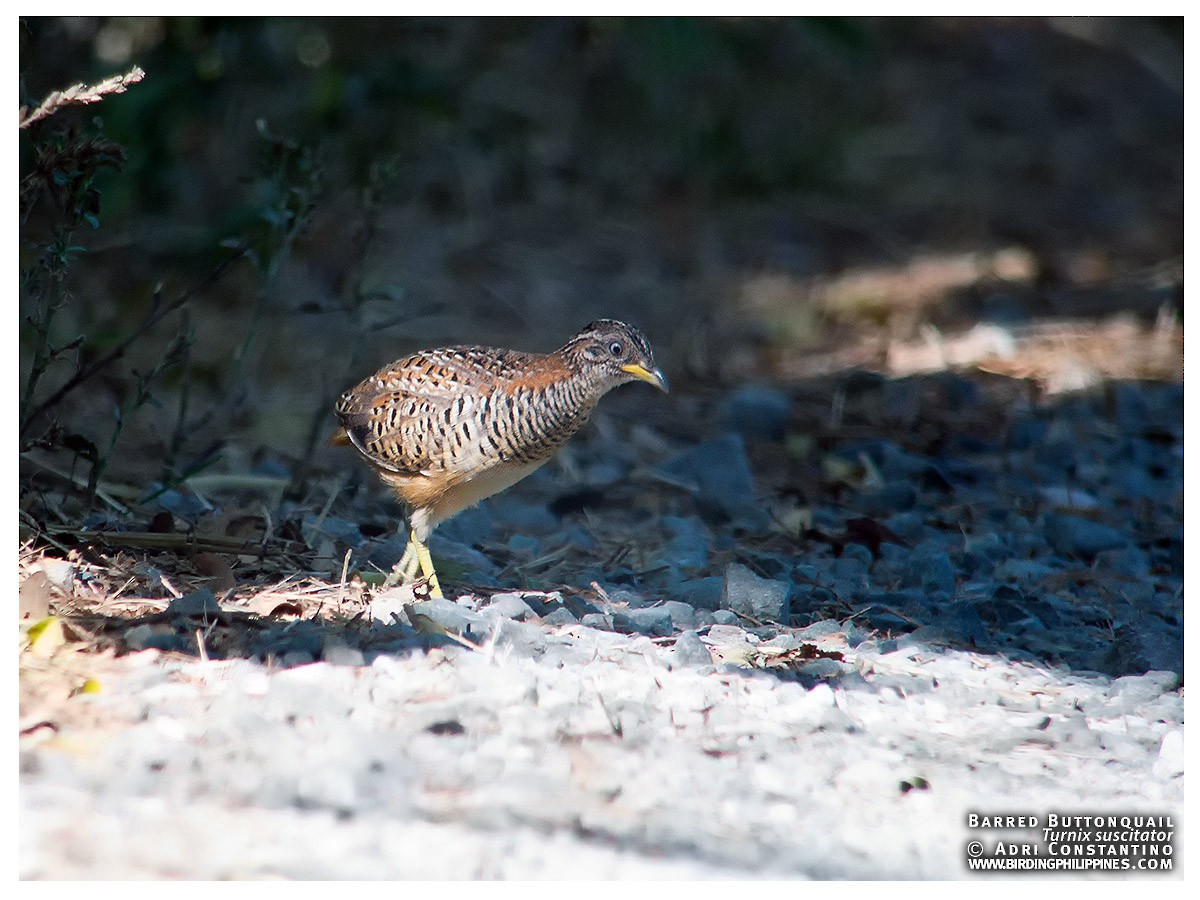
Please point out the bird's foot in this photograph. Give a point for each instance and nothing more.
(416, 557)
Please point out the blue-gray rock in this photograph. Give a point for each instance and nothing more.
(1006, 606)
(1129, 561)
(522, 638)
(186, 506)
(682, 615)
(337, 653)
(339, 529)
(448, 615)
(689, 543)
(1026, 432)
(598, 620)
(1141, 689)
(623, 596)
(508, 606)
(575, 536)
(689, 650)
(157, 637)
(471, 527)
(294, 658)
(201, 602)
(724, 617)
(820, 629)
(561, 616)
(701, 593)
(932, 571)
(758, 411)
(889, 497)
(982, 549)
(653, 621)
(718, 471)
(1077, 536)
(441, 547)
(524, 545)
(1021, 570)
(764, 599)
(962, 621)
(299, 637)
(908, 525)
(513, 515)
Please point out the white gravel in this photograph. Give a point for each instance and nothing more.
(576, 753)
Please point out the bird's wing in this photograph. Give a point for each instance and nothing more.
(406, 417)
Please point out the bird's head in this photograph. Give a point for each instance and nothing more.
(613, 353)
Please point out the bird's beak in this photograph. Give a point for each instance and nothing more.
(650, 376)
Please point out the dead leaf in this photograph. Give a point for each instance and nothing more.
(216, 567)
(46, 636)
(35, 596)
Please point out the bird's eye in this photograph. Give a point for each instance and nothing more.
(615, 348)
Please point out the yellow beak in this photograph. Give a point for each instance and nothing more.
(654, 377)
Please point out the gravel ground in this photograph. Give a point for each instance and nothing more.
(989, 626)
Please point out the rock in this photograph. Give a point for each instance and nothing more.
(1138, 690)
(386, 553)
(444, 549)
(758, 411)
(597, 620)
(387, 606)
(519, 517)
(508, 606)
(624, 597)
(446, 614)
(197, 603)
(1130, 561)
(524, 545)
(1170, 755)
(961, 620)
(521, 638)
(689, 544)
(728, 634)
(156, 637)
(891, 497)
(653, 621)
(337, 653)
(701, 593)
(339, 529)
(689, 650)
(1077, 536)
(724, 617)
(718, 471)
(470, 527)
(763, 598)
(299, 637)
(60, 572)
(682, 615)
(560, 616)
(294, 658)
(185, 506)
(1021, 570)
(818, 630)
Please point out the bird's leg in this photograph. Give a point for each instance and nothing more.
(405, 571)
(426, 562)
(407, 567)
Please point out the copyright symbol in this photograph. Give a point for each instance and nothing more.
(974, 849)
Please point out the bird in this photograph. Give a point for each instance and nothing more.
(449, 427)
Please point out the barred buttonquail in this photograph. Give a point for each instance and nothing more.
(446, 428)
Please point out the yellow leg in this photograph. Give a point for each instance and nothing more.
(426, 562)
(405, 571)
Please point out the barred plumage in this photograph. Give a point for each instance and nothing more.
(446, 428)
